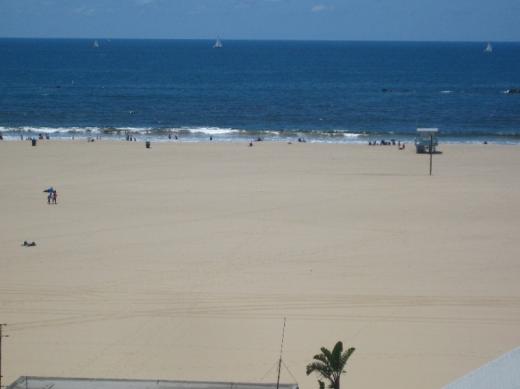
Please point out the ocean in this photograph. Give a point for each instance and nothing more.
(277, 90)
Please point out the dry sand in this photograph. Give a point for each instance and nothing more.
(181, 261)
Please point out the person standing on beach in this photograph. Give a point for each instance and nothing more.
(49, 197)
(55, 197)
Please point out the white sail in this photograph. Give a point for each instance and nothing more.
(489, 48)
(218, 44)
(95, 44)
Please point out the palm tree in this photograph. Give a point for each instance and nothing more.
(330, 364)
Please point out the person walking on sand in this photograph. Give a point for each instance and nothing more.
(55, 197)
(49, 198)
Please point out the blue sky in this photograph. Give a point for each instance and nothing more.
(459, 20)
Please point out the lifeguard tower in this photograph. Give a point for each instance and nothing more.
(426, 140)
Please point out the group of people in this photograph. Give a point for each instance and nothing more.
(391, 142)
(52, 197)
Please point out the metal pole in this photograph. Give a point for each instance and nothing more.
(1, 336)
(431, 153)
(279, 370)
(280, 360)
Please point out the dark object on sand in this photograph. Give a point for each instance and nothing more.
(147, 144)
(33, 141)
(28, 244)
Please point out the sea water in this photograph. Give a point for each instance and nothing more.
(276, 90)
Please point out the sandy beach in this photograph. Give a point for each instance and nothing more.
(181, 261)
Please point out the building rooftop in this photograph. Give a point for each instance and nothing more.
(503, 373)
(97, 383)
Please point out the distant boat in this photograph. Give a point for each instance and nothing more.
(489, 48)
(218, 44)
(95, 44)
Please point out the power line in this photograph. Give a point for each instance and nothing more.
(290, 372)
(269, 371)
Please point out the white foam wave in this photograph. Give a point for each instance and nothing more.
(140, 130)
(446, 92)
(135, 130)
(51, 130)
(210, 130)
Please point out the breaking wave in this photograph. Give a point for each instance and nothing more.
(204, 133)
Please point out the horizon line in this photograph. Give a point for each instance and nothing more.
(268, 40)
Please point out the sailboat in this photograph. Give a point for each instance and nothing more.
(218, 44)
(95, 44)
(489, 48)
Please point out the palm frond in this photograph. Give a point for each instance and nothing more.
(321, 368)
(322, 358)
(346, 355)
(336, 356)
(327, 353)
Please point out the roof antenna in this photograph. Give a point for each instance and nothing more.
(280, 360)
